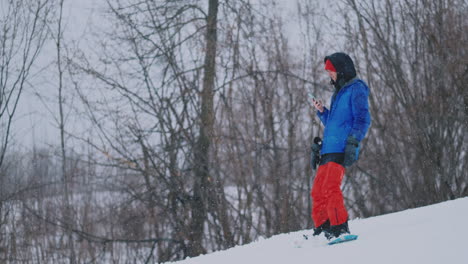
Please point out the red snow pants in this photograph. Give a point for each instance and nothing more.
(327, 198)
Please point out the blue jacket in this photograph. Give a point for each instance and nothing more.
(348, 116)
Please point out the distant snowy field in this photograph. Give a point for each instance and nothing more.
(431, 234)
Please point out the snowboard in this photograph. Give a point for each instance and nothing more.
(310, 241)
(342, 239)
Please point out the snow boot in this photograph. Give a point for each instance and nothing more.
(337, 230)
(325, 227)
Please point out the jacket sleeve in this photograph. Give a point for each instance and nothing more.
(360, 111)
(323, 116)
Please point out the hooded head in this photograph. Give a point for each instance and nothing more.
(343, 65)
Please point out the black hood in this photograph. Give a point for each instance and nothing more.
(344, 66)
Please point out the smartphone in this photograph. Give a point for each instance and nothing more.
(311, 96)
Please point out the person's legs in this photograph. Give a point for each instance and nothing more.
(336, 209)
(319, 199)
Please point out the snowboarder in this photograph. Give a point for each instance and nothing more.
(346, 123)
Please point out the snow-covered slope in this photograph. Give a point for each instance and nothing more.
(431, 234)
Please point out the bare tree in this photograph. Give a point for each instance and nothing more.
(68, 218)
(266, 122)
(22, 36)
(174, 159)
(23, 33)
(414, 61)
(180, 155)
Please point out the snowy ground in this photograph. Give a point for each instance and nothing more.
(432, 234)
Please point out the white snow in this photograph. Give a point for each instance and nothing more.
(431, 234)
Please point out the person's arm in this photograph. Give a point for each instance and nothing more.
(322, 111)
(323, 115)
(360, 111)
(361, 123)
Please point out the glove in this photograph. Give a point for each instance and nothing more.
(351, 149)
(316, 147)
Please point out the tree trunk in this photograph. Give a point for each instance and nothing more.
(202, 148)
(66, 179)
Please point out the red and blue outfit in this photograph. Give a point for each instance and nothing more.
(346, 123)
